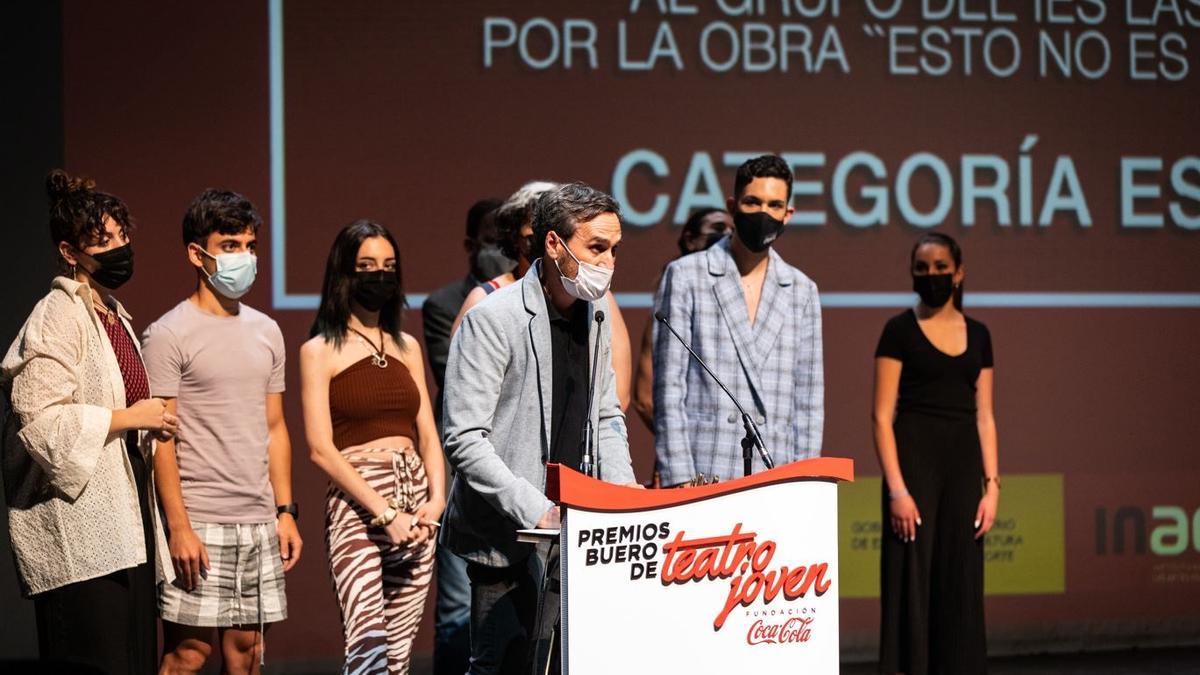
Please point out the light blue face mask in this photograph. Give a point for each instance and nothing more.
(235, 273)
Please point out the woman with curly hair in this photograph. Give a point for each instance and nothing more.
(78, 445)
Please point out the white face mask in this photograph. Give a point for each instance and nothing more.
(591, 282)
(235, 273)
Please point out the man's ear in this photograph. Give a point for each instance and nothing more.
(194, 256)
(551, 251)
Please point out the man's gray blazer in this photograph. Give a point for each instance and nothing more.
(497, 421)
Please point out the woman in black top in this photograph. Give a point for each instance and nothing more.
(936, 440)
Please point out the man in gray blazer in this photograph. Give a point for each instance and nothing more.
(516, 397)
(756, 321)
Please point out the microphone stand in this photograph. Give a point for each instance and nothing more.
(753, 439)
(589, 464)
(546, 637)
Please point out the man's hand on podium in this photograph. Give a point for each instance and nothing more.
(551, 520)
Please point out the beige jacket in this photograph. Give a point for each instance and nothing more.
(72, 501)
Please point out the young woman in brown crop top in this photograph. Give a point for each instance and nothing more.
(370, 427)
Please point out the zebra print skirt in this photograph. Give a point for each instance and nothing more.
(380, 586)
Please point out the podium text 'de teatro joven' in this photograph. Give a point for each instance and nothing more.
(709, 579)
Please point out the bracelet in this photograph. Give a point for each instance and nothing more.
(389, 514)
(991, 479)
(385, 518)
(899, 494)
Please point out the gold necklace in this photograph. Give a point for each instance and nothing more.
(106, 314)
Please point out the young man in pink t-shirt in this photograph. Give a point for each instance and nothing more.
(225, 481)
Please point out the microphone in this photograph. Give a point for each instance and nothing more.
(589, 464)
(752, 433)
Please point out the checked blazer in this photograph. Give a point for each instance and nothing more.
(775, 368)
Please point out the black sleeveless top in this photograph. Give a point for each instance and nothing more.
(931, 381)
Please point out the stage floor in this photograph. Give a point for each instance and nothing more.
(1173, 661)
(1176, 661)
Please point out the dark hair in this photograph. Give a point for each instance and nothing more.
(222, 211)
(333, 314)
(763, 166)
(692, 226)
(477, 213)
(946, 241)
(78, 210)
(515, 212)
(563, 208)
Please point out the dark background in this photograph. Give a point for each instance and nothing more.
(31, 59)
(390, 116)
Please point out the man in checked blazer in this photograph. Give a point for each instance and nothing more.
(756, 321)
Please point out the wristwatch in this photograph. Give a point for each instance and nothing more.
(292, 508)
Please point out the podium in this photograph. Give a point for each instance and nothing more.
(726, 578)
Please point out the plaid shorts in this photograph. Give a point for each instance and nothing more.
(244, 583)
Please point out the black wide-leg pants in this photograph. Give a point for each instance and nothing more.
(107, 624)
(931, 591)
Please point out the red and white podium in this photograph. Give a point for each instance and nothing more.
(733, 577)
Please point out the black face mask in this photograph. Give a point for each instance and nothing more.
(490, 262)
(713, 238)
(935, 289)
(695, 244)
(527, 242)
(373, 290)
(756, 230)
(116, 266)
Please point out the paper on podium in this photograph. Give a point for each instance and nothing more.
(536, 535)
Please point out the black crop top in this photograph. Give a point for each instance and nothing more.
(931, 381)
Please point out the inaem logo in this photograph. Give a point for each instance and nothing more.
(1170, 537)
